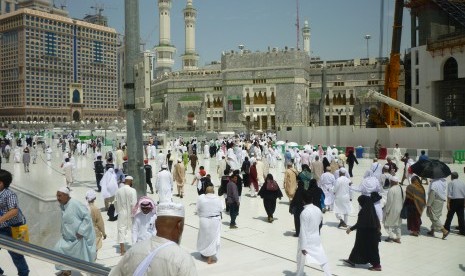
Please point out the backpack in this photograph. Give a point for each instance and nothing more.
(272, 186)
(99, 167)
(111, 213)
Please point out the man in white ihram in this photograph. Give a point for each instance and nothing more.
(209, 208)
(309, 248)
(125, 200)
(342, 206)
(164, 185)
(162, 255)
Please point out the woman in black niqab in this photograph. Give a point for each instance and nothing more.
(368, 236)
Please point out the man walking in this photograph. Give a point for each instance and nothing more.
(99, 171)
(148, 174)
(434, 205)
(68, 172)
(392, 209)
(232, 199)
(342, 206)
(179, 176)
(455, 202)
(290, 181)
(309, 248)
(164, 185)
(77, 230)
(126, 199)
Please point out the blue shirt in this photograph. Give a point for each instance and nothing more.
(8, 201)
(423, 157)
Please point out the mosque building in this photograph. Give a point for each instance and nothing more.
(256, 90)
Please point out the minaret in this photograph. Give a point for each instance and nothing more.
(306, 36)
(164, 51)
(190, 58)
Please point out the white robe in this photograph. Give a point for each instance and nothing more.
(164, 186)
(143, 226)
(49, 154)
(206, 151)
(327, 181)
(393, 206)
(309, 239)
(125, 200)
(209, 208)
(342, 196)
(172, 260)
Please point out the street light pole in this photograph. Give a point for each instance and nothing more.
(133, 115)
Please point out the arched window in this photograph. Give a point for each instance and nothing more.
(450, 69)
(76, 96)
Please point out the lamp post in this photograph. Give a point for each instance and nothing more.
(367, 37)
(205, 123)
(195, 124)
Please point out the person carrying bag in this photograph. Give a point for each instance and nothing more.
(12, 221)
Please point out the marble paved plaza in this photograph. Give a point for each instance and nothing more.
(256, 247)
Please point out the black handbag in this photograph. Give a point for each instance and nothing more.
(404, 211)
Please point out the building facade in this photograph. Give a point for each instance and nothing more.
(437, 59)
(7, 6)
(267, 91)
(56, 69)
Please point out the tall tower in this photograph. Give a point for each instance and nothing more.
(164, 51)
(306, 36)
(190, 58)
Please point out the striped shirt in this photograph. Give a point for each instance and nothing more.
(8, 201)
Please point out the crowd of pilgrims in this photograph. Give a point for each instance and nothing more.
(316, 181)
(312, 175)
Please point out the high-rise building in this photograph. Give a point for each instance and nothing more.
(56, 69)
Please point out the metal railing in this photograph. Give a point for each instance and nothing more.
(51, 256)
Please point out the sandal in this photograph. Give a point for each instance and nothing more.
(65, 273)
(349, 262)
(444, 235)
(375, 268)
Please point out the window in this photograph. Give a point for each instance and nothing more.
(417, 96)
(339, 83)
(50, 44)
(98, 52)
(417, 76)
(416, 57)
(259, 81)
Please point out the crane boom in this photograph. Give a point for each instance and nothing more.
(399, 105)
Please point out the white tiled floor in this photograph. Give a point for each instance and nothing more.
(257, 247)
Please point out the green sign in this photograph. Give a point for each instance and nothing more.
(234, 103)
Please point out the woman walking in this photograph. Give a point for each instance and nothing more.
(270, 191)
(415, 200)
(368, 235)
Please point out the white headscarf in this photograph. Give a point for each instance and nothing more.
(109, 184)
(369, 183)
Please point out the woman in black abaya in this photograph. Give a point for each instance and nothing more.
(368, 236)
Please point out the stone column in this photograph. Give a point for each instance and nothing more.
(212, 123)
(268, 109)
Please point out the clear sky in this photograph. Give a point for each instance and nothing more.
(338, 27)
